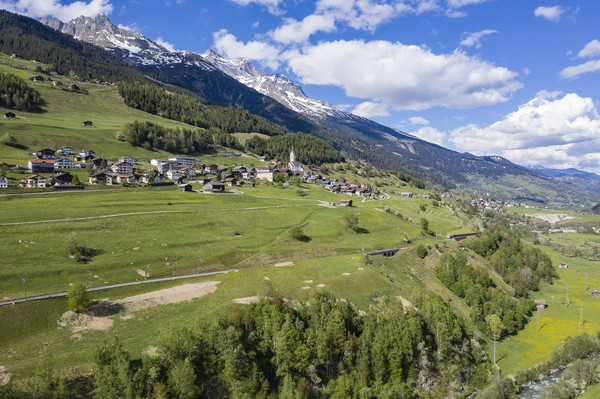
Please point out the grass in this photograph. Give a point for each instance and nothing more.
(557, 322)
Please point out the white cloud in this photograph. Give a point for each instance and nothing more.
(271, 5)
(403, 77)
(573, 72)
(56, 9)
(431, 135)
(550, 13)
(474, 39)
(550, 130)
(592, 49)
(228, 45)
(418, 120)
(294, 31)
(165, 44)
(462, 3)
(370, 109)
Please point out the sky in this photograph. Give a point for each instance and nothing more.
(516, 78)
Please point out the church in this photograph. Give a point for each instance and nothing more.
(294, 166)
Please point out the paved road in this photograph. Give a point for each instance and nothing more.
(107, 287)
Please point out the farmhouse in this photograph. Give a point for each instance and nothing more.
(63, 179)
(64, 151)
(540, 303)
(102, 177)
(211, 168)
(10, 115)
(266, 173)
(56, 83)
(213, 188)
(35, 181)
(3, 182)
(41, 166)
(562, 265)
(407, 195)
(87, 123)
(45, 153)
(130, 160)
(174, 174)
(345, 202)
(86, 154)
(596, 294)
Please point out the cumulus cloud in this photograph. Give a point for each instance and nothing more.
(592, 49)
(56, 9)
(370, 109)
(474, 39)
(293, 31)
(227, 44)
(418, 120)
(403, 77)
(165, 44)
(550, 13)
(573, 72)
(552, 129)
(431, 135)
(271, 5)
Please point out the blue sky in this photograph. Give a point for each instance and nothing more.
(517, 78)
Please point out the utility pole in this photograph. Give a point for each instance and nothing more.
(198, 263)
(87, 274)
(363, 248)
(580, 317)
(566, 295)
(585, 286)
(537, 313)
(261, 258)
(25, 284)
(316, 254)
(146, 276)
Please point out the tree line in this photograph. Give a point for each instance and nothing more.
(152, 136)
(310, 150)
(15, 93)
(158, 101)
(321, 346)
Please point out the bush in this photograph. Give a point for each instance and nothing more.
(421, 251)
(78, 297)
(351, 221)
(298, 234)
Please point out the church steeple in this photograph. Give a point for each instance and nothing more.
(292, 155)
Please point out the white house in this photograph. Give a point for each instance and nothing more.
(174, 174)
(130, 160)
(64, 151)
(35, 181)
(163, 167)
(265, 173)
(87, 154)
(64, 163)
(3, 182)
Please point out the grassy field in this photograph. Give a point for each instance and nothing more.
(557, 321)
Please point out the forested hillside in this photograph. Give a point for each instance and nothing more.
(310, 150)
(16, 94)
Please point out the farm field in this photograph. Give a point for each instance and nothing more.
(557, 321)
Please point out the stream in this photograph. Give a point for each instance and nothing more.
(532, 390)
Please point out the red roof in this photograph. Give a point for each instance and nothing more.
(49, 161)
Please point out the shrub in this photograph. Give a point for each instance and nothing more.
(421, 251)
(78, 297)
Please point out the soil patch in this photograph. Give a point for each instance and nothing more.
(405, 302)
(4, 376)
(306, 288)
(75, 337)
(345, 274)
(167, 296)
(142, 273)
(283, 264)
(550, 217)
(320, 285)
(80, 321)
(308, 281)
(150, 351)
(248, 300)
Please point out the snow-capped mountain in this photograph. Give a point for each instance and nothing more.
(136, 49)
(276, 86)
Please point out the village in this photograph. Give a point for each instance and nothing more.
(51, 168)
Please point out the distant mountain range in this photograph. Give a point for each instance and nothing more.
(238, 83)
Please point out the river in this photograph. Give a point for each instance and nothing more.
(532, 391)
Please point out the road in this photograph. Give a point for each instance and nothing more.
(107, 287)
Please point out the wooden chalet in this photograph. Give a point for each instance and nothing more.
(41, 165)
(185, 187)
(87, 123)
(62, 179)
(540, 303)
(45, 153)
(345, 202)
(102, 177)
(213, 188)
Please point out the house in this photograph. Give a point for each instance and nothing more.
(35, 181)
(596, 294)
(98, 163)
(187, 171)
(3, 182)
(130, 160)
(407, 195)
(73, 87)
(86, 123)
(164, 167)
(41, 166)
(57, 83)
(64, 163)
(122, 168)
(562, 265)
(266, 173)
(46, 153)
(345, 202)
(185, 187)
(121, 179)
(213, 188)
(230, 181)
(462, 245)
(540, 303)
(37, 78)
(103, 177)
(213, 169)
(64, 151)
(84, 155)
(10, 115)
(174, 174)
(62, 179)
(145, 179)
